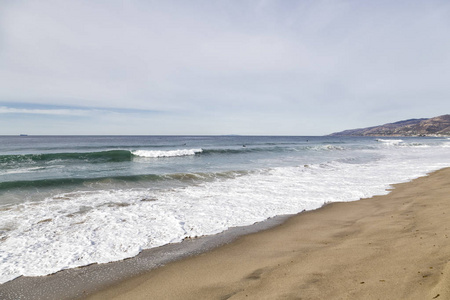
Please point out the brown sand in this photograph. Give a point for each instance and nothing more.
(385, 247)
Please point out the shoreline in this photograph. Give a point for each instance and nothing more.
(249, 260)
(80, 282)
(394, 246)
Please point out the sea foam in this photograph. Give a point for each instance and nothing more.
(390, 142)
(167, 153)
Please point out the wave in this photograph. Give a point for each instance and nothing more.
(390, 142)
(122, 155)
(166, 153)
(328, 147)
(402, 143)
(99, 156)
(101, 182)
(103, 156)
(243, 149)
(54, 182)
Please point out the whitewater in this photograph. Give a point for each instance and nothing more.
(67, 202)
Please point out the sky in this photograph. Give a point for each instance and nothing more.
(249, 67)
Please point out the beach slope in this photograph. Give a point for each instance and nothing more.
(386, 247)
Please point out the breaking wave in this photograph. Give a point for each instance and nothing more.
(166, 153)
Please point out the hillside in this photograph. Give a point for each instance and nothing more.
(437, 126)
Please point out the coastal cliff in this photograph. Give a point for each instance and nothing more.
(437, 126)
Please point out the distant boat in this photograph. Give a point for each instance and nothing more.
(23, 134)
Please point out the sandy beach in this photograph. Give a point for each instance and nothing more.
(386, 247)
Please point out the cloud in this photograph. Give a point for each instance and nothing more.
(59, 112)
(229, 66)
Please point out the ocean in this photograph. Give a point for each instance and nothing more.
(70, 201)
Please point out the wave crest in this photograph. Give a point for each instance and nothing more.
(390, 142)
(108, 156)
(167, 153)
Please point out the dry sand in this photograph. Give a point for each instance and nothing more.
(385, 247)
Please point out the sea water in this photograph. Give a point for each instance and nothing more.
(72, 201)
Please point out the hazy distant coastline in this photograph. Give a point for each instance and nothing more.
(437, 126)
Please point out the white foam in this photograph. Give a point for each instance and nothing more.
(81, 228)
(20, 170)
(167, 153)
(390, 142)
(328, 147)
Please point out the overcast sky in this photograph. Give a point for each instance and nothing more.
(220, 67)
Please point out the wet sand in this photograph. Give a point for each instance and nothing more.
(386, 247)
